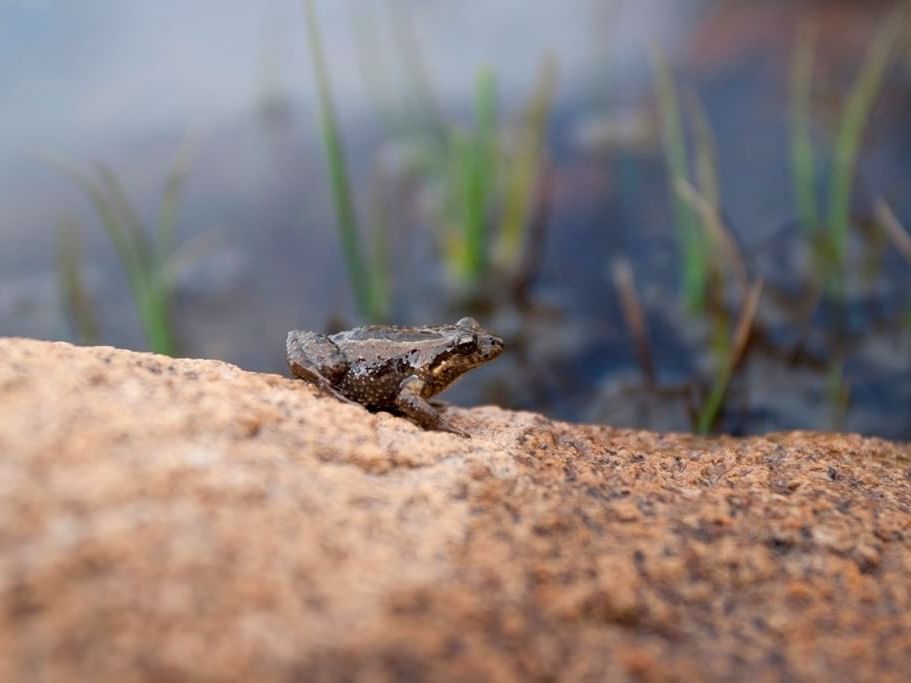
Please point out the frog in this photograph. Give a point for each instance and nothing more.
(392, 368)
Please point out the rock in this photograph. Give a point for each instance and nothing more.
(168, 519)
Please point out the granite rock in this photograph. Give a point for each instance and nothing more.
(174, 519)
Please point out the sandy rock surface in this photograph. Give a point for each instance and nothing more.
(185, 520)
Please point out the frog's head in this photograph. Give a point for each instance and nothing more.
(468, 346)
(474, 345)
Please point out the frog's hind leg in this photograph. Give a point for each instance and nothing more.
(316, 359)
(420, 410)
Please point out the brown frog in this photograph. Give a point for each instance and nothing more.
(384, 367)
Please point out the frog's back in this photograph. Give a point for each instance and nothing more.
(389, 335)
(378, 343)
(379, 359)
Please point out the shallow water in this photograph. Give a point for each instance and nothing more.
(127, 83)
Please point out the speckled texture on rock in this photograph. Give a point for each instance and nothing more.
(183, 519)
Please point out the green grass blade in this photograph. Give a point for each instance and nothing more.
(120, 238)
(76, 302)
(412, 58)
(156, 317)
(889, 224)
(140, 275)
(113, 208)
(126, 215)
(346, 218)
(371, 58)
(712, 407)
(718, 238)
(131, 259)
(121, 222)
(850, 133)
(803, 165)
(143, 270)
(454, 171)
(695, 259)
(170, 202)
(706, 152)
(479, 176)
(838, 393)
(526, 165)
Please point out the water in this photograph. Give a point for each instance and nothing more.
(129, 83)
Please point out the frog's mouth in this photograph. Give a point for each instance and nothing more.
(455, 364)
(489, 347)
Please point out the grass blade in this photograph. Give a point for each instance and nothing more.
(120, 238)
(695, 265)
(154, 312)
(76, 302)
(170, 202)
(371, 58)
(850, 133)
(712, 406)
(478, 169)
(526, 167)
(346, 218)
(145, 282)
(146, 274)
(452, 167)
(124, 212)
(715, 227)
(893, 229)
(634, 317)
(838, 393)
(124, 228)
(412, 58)
(706, 152)
(143, 271)
(802, 161)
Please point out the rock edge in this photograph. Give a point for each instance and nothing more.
(184, 519)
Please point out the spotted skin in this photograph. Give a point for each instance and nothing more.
(384, 367)
(374, 387)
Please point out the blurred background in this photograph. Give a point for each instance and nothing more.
(681, 216)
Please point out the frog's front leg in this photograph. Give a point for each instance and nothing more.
(414, 405)
(316, 359)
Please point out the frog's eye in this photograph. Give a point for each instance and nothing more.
(467, 343)
(468, 324)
